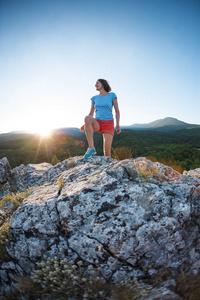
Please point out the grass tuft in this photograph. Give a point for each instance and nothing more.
(188, 286)
(9, 204)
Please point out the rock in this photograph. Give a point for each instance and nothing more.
(193, 173)
(5, 173)
(5, 170)
(30, 175)
(162, 294)
(38, 174)
(4, 276)
(132, 218)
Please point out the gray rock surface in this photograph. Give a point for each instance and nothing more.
(132, 218)
(5, 170)
(193, 173)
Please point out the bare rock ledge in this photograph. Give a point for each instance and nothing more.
(133, 218)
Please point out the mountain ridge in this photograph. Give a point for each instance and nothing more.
(167, 124)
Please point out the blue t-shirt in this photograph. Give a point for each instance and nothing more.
(103, 106)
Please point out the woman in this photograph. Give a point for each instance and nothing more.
(103, 122)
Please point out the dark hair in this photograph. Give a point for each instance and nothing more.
(106, 85)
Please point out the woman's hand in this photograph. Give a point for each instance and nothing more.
(117, 115)
(118, 129)
(82, 128)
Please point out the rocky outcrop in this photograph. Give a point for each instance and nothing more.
(5, 170)
(133, 219)
(193, 173)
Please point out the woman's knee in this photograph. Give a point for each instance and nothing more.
(88, 119)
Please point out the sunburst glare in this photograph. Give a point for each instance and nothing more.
(44, 133)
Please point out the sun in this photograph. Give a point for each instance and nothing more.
(44, 133)
(41, 129)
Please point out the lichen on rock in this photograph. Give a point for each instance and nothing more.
(132, 218)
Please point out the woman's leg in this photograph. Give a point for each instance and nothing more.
(107, 143)
(91, 125)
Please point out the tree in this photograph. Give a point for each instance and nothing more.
(54, 160)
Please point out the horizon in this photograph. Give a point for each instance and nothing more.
(52, 53)
(46, 133)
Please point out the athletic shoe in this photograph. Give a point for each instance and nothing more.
(90, 151)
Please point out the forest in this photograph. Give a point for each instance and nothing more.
(178, 149)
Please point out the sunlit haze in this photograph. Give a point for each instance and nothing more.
(44, 132)
(53, 51)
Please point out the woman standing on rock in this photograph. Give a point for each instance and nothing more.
(103, 122)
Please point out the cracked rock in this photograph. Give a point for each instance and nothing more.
(131, 218)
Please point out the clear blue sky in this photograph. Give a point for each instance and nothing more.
(53, 51)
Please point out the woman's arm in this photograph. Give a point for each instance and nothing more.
(91, 113)
(117, 115)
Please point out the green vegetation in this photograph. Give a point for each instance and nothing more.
(63, 279)
(15, 199)
(9, 204)
(179, 149)
(60, 182)
(4, 238)
(54, 160)
(34, 149)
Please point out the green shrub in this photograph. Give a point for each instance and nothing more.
(4, 238)
(15, 199)
(60, 182)
(55, 160)
(62, 279)
(71, 163)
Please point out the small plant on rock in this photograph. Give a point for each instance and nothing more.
(188, 286)
(71, 163)
(15, 199)
(129, 289)
(62, 279)
(60, 182)
(4, 238)
(28, 286)
(121, 153)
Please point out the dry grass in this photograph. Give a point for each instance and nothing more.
(188, 286)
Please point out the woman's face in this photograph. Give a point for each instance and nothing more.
(99, 85)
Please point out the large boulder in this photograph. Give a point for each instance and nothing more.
(38, 174)
(5, 170)
(193, 173)
(133, 218)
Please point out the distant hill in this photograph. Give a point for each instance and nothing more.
(68, 130)
(164, 125)
(168, 124)
(190, 131)
(14, 135)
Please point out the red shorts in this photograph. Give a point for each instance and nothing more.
(106, 126)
